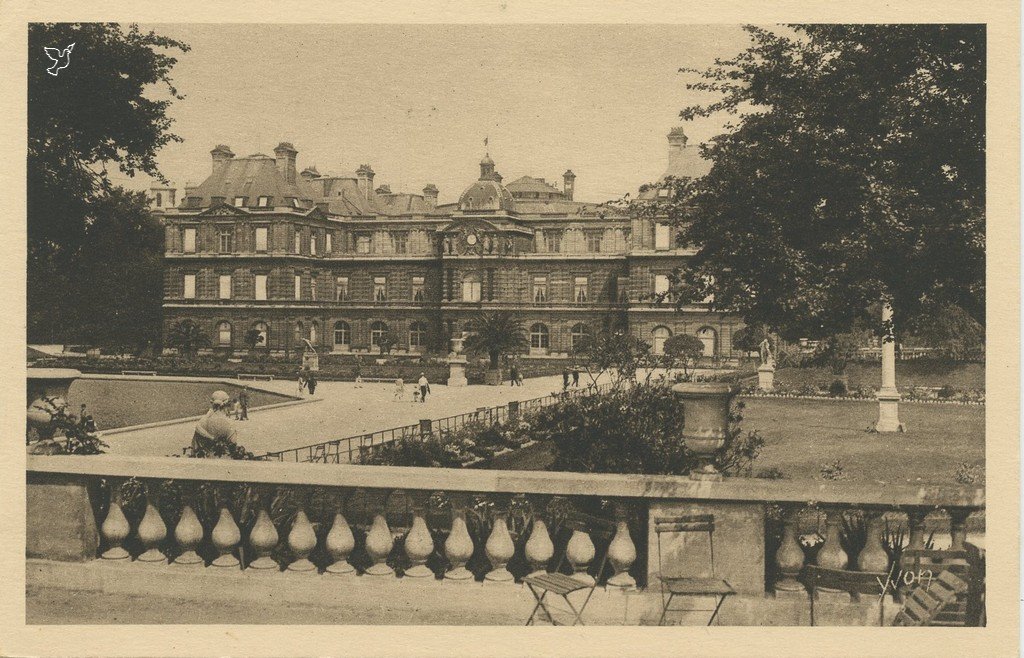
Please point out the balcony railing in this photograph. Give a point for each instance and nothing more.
(441, 525)
(350, 449)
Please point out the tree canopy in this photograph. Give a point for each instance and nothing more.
(855, 171)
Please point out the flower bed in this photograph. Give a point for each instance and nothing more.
(821, 391)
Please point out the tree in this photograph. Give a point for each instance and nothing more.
(684, 350)
(386, 342)
(496, 334)
(748, 338)
(98, 113)
(953, 332)
(856, 173)
(187, 337)
(253, 338)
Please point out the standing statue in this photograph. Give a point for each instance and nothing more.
(767, 358)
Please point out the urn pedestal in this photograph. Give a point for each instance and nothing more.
(456, 370)
(706, 422)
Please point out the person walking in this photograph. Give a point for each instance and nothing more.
(243, 401)
(565, 378)
(399, 389)
(513, 375)
(575, 377)
(302, 381)
(311, 383)
(424, 386)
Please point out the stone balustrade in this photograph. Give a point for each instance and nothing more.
(489, 527)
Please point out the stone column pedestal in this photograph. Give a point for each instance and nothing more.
(766, 378)
(889, 411)
(457, 371)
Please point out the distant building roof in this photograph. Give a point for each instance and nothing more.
(252, 177)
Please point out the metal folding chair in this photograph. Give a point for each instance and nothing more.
(563, 585)
(691, 586)
(855, 582)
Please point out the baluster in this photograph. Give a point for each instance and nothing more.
(302, 541)
(539, 548)
(419, 544)
(579, 553)
(832, 555)
(339, 544)
(915, 523)
(115, 527)
(225, 537)
(189, 534)
(621, 551)
(151, 531)
(790, 557)
(958, 527)
(379, 543)
(263, 538)
(499, 548)
(873, 556)
(458, 547)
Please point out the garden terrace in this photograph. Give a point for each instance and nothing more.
(367, 541)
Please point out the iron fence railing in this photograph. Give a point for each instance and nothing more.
(351, 448)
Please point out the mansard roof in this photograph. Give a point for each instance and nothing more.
(251, 177)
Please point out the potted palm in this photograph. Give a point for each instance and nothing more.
(496, 334)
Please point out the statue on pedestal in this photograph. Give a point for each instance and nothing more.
(767, 358)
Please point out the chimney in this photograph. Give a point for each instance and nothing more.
(569, 180)
(285, 155)
(310, 173)
(220, 154)
(676, 146)
(384, 189)
(365, 175)
(430, 195)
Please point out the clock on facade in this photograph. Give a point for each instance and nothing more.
(471, 239)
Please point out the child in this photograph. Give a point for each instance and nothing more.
(399, 389)
(415, 394)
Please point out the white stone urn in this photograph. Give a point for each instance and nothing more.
(43, 384)
(706, 423)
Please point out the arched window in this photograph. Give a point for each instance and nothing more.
(224, 334)
(342, 334)
(708, 336)
(539, 338)
(578, 333)
(658, 337)
(417, 334)
(300, 332)
(377, 331)
(314, 332)
(264, 331)
(471, 288)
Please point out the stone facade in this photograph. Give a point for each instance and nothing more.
(331, 259)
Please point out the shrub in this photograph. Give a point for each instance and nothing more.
(837, 388)
(833, 471)
(947, 392)
(427, 451)
(967, 473)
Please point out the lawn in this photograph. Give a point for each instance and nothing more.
(924, 372)
(803, 435)
(125, 402)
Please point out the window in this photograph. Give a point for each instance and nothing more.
(327, 244)
(658, 337)
(298, 241)
(300, 333)
(312, 245)
(239, 201)
(189, 286)
(261, 286)
(341, 288)
(264, 333)
(298, 286)
(314, 332)
(159, 199)
(261, 239)
(417, 334)
(579, 289)
(401, 241)
(540, 289)
(188, 239)
(263, 202)
(226, 241)
(362, 244)
(224, 334)
(661, 287)
(553, 241)
(661, 237)
(225, 286)
(577, 334)
(342, 334)
(312, 286)
(417, 289)
(377, 332)
(539, 339)
(708, 337)
(594, 241)
(380, 288)
(471, 288)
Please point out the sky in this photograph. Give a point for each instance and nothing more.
(416, 102)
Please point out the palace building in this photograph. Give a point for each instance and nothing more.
(260, 245)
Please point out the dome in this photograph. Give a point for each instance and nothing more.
(486, 195)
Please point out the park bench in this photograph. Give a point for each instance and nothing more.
(149, 373)
(378, 380)
(255, 376)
